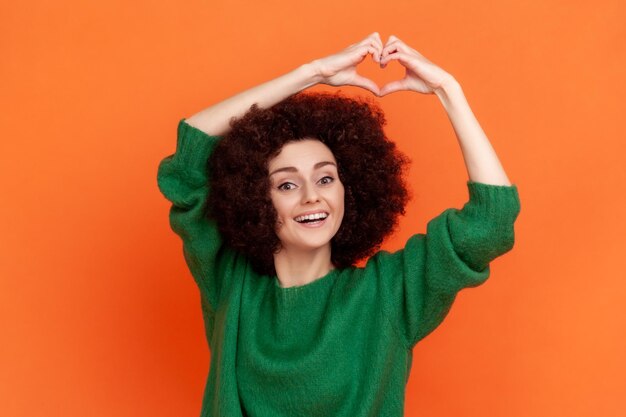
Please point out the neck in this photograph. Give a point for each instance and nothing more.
(297, 267)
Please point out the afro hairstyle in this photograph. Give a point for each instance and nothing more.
(369, 165)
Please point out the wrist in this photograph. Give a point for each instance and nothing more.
(447, 88)
(449, 92)
(312, 72)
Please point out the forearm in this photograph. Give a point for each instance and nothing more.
(481, 160)
(215, 120)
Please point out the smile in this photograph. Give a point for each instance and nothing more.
(312, 218)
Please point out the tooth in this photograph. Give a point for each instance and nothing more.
(311, 217)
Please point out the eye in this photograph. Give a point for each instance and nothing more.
(286, 186)
(326, 180)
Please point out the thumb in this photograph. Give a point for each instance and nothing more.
(392, 87)
(365, 83)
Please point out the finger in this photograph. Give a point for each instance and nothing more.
(366, 83)
(374, 41)
(361, 51)
(404, 47)
(395, 46)
(389, 50)
(375, 53)
(364, 50)
(375, 36)
(392, 87)
(404, 58)
(368, 39)
(400, 56)
(378, 41)
(392, 39)
(369, 49)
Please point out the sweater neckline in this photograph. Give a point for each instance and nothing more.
(311, 286)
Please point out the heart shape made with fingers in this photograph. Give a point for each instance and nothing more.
(381, 76)
(370, 71)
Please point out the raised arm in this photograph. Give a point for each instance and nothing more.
(215, 120)
(457, 249)
(337, 69)
(423, 76)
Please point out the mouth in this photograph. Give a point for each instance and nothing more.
(312, 219)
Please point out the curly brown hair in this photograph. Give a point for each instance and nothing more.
(369, 166)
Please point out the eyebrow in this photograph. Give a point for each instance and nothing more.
(294, 169)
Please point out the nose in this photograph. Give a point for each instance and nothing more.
(309, 194)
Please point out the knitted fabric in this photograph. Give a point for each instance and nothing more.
(342, 344)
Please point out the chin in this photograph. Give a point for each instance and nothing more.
(308, 245)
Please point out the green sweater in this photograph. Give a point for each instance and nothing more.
(340, 345)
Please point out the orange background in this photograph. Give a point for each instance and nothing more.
(99, 315)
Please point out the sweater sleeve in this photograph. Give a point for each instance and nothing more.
(419, 283)
(183, 179)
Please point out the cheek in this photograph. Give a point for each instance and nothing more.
(341, 196)
(340, 214)
(282, 205)
(340, 202)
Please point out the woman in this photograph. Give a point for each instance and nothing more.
(302, 187)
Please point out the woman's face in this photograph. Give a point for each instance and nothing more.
(307, 194)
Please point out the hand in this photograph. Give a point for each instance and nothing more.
(421, 75)
(340, 68)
